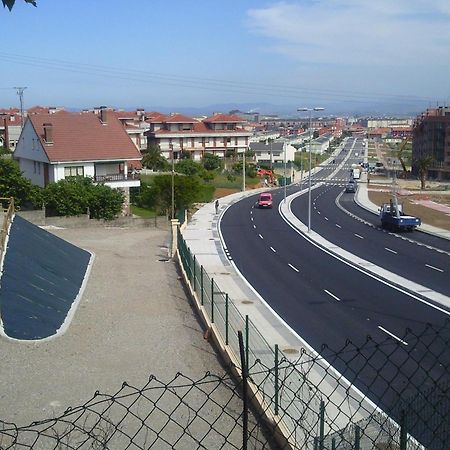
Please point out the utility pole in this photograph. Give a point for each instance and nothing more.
(243, 171)
(19, 92)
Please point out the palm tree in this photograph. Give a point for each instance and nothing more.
(423, 164)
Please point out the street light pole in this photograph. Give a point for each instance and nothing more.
(310, 110)
(173, 184)
(243, 170)
(284, 151)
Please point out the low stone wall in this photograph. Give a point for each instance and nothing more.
(38, 218)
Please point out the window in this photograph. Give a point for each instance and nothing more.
(73, 171)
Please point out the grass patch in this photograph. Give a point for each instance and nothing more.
(143, 212)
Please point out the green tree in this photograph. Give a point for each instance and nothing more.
(211, 161)
(105, 203)
(154, 160)
(422, 164)
(158, 195)
(14, 184)
(189, 167)
(68, 197)
(10, 3)
(73, 196)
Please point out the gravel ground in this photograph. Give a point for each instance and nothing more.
(132, 321)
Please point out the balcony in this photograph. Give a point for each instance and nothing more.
(119, 179)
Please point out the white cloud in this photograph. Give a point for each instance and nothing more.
(409, 33)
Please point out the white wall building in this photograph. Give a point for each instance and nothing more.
(219, 134)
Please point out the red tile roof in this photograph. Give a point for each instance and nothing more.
(179, 118)
(224, 118)
(83, 137)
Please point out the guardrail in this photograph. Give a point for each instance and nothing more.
(298, 395)
(8, 212)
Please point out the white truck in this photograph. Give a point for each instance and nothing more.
(356, 173)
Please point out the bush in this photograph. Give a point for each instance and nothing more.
(73, 196)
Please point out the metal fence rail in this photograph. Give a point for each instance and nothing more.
(308, 398)
(294, 401)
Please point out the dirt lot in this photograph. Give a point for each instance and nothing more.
(133, 320)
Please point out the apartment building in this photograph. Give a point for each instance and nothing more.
(431, 137)
(220, 134)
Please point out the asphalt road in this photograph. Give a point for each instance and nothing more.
(326, 301)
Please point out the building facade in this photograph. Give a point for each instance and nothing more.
(220, 134)
(431, 138)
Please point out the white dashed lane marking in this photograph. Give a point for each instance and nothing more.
(358, 236)
(332, 295)
(390, 250)
(338, 225)
(434, 268)
(271, 248)
(293, 267)
(392, 335)
(260, 236)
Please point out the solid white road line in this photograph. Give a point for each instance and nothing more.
(338, 225)
(392, 335)
(332, 295)
(294, 268)
(271, 248)
(390, 250)
(358, 236)
(260, 236)
(434, 268)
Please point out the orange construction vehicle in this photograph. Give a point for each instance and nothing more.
(267, 174)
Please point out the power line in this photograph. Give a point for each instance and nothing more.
(295, 92)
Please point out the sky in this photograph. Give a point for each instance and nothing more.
(337, 54)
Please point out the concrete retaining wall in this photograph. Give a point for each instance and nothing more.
(38, 218)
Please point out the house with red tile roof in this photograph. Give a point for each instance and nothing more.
(63, 144)
(10, 127)
(219, 134)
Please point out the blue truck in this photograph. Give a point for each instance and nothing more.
(393, 218)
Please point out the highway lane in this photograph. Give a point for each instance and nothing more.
(328, 302)
(418, 263)
(324, 300)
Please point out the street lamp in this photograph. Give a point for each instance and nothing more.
(310, 110)
(173, 182)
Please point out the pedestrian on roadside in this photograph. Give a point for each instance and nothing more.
(216, 205)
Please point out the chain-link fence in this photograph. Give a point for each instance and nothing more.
(373, 395)
(274, 402)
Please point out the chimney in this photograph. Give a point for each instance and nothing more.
(6, 140)
(104, 115)
(48, 133)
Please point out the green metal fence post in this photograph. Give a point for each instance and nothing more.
(226, 319)
(246, 341)
(403, 431)
(201, 285)
(357, 438)
(322, 425)
(212, 300)
(276, 380)
(316, 443)
(333, 444)
(194, 275)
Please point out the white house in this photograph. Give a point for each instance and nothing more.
(52, 147)
(272, 152)
(218, 134)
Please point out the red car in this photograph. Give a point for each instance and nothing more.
(264, 200)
